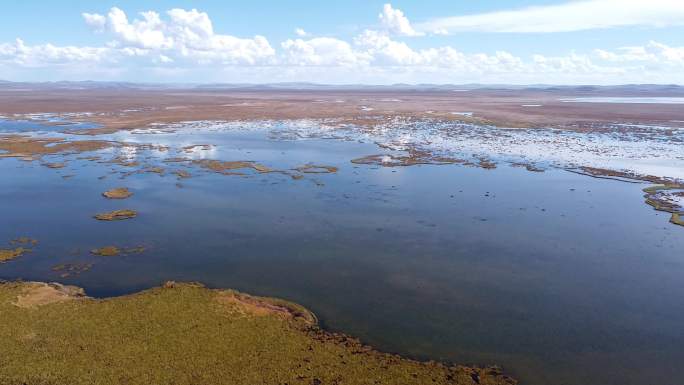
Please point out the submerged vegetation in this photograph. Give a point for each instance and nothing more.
(16, 252)
(188, 334)
(113, 251)
(70, 269)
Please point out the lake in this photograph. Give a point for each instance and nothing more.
(558, 277)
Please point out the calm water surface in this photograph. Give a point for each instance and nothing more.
(560, 278)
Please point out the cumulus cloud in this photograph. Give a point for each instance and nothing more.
(320, 51)
(379, 49)
(186, 34)
(184, 42)
(95, 21)
(566, 17)
(47, 54)
(394, 21)
(653, 52)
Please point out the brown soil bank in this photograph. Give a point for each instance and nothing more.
(188, 334)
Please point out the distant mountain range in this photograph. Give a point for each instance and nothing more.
(651, 89)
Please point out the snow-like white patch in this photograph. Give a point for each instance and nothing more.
(647, 153)
(642, 149)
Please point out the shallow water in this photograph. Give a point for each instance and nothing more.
(24, 126)
(560, 278)
(628, 99)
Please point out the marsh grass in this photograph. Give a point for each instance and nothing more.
(188, 334)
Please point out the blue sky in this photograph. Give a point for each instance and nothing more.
(526, 41)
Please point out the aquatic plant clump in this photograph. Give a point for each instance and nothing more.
(112, 251)
(26, 147)
(116, 215)
(107, 251)
(118, 193)
(188, 334)
(316, 169)
(10, 254)
(228, 167)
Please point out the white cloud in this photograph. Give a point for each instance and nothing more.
(300, 32)
(382, 50)
(319, 51)
(95, 21)
(187, 35)
(145, 33)
(566, 17)
(379, 49)
(184, 43)
(394, 21)
(653, 53)
(19, 53)
(165, 59)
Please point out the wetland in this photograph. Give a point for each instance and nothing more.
(552, 253)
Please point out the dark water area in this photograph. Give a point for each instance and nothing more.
(560, 278)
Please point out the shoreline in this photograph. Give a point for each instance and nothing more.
(191, 316)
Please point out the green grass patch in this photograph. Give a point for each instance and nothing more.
(188, 334)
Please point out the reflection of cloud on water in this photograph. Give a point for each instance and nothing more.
(128, 153)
